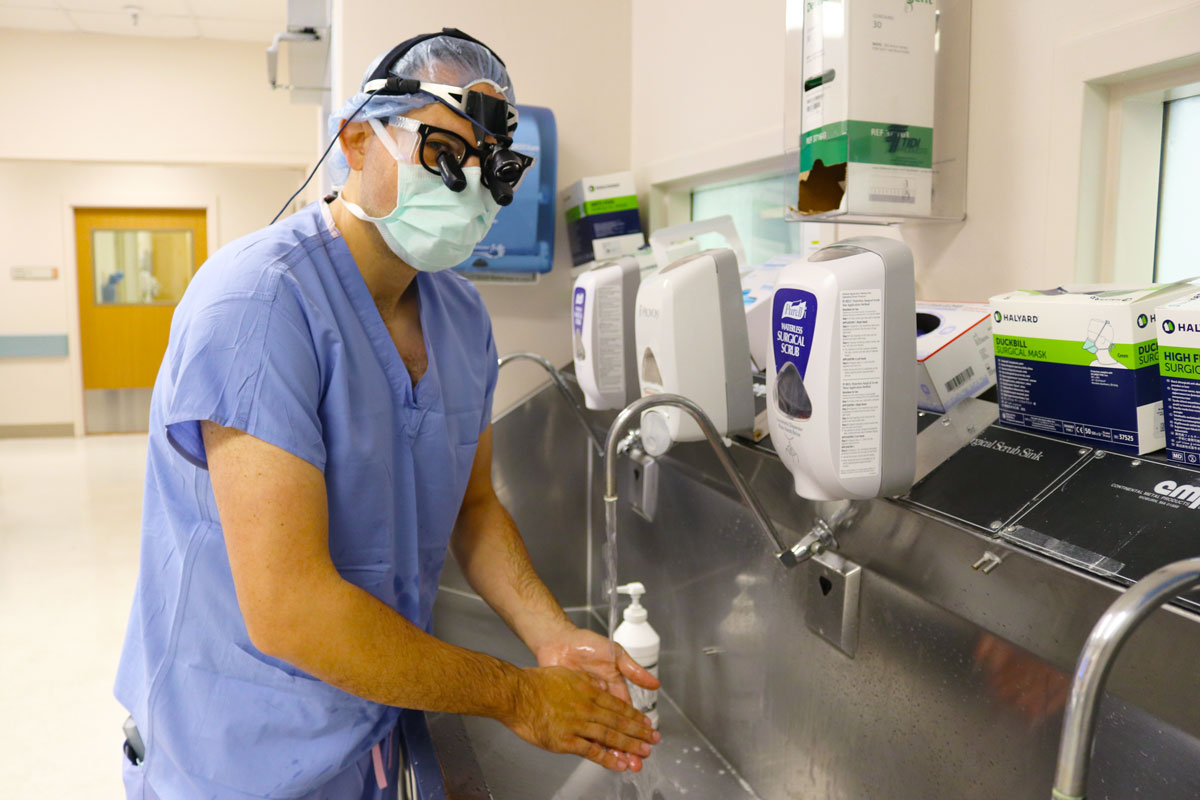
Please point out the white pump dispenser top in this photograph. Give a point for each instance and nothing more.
(635, 612)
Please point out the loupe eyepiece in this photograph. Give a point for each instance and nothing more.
(503, 171)
(451, 172)
(502, 192)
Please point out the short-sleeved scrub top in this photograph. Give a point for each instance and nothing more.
(278, 336)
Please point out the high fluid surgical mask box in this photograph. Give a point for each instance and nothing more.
(1081, 362)
(954, 353)
(602, 217)
(1178, 328)
(867, 115)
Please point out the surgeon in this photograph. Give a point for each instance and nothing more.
(319, 438)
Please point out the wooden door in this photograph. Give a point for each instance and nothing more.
(133, 267)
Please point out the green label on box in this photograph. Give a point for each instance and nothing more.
(1059, 351)
(574, 213)
(867, 143)
(1179, 362)
(610, 205)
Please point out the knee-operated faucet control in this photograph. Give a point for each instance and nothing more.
(819, 539)
(1095, 662)
(561, 384)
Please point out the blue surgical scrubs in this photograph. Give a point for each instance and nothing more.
(278, 336)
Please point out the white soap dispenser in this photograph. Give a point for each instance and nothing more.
(691, 341)
(642, 643)
(841, 399)
(602, 311)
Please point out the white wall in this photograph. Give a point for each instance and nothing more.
(86, 97)
(706, 79)
(122, 121)
(573, 58)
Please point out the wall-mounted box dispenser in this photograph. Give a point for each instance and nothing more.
(876, 104)
(521, 241)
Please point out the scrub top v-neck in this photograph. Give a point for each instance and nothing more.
(278, 336)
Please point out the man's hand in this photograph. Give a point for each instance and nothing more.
(600, 658)
(565, 711)
(605, 662)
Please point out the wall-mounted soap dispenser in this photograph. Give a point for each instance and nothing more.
(603, 305)
(841, 398)
(691, 341)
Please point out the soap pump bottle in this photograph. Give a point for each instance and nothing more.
(642, 643)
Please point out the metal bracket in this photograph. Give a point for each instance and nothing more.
(831, 600)
(645, 484)
(987, 562)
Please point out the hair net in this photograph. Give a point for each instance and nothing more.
(442, 59)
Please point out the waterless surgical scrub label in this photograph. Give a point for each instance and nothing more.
(578, 307)
(862, 383)
(794, 319)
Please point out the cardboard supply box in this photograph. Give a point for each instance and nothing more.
(954, 353)
(1178, 328)
(867, 117)
(1081, 362)
(602, 217)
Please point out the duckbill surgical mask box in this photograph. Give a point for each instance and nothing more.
(602, 217)
(867, 113)
(954, 353)
(1178, 327)
(1081, 362)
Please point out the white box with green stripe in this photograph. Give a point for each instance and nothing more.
(1178, 327)
(602, 217)
(868, 106)
(1081, 362)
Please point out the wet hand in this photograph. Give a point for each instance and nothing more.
(600, 658)
(565, 711)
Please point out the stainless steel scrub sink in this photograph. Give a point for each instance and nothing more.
(482, 759)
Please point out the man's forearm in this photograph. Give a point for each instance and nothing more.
(346, 637)
(492, 556)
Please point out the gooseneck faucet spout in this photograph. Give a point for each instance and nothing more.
(788, 556)
(561, 383)
(1095, 662)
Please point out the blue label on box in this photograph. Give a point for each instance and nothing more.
(584, 230)
(1181, 412)
(1097, 406)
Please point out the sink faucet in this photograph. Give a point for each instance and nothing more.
(559, 381)
(819, 539)
(1095, 662)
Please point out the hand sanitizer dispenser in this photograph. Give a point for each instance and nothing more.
(841, 398)
(603, 305)
(691, 341)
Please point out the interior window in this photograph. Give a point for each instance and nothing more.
(1179, 201)
(756, 206)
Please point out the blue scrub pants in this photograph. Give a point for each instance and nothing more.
(357, 782)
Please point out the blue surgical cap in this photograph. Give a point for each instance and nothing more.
(442, 59)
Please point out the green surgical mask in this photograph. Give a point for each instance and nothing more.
(431, 228)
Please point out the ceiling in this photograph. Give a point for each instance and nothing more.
(238, 20)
